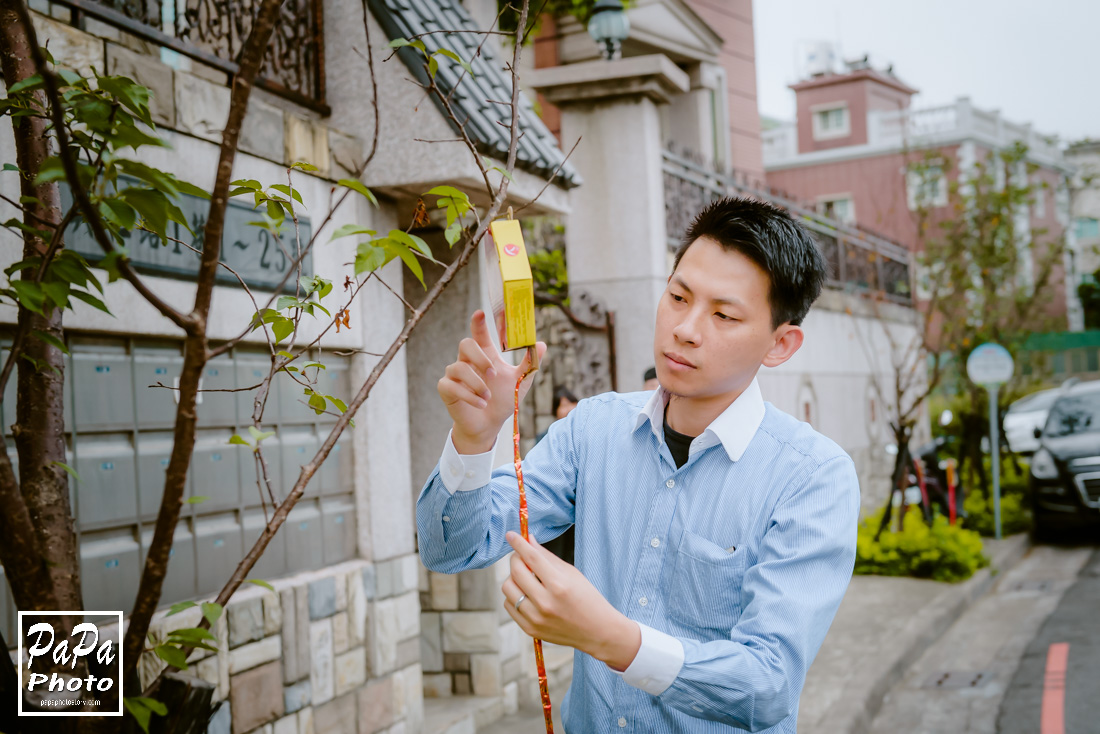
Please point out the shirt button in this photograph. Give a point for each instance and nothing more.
(469, 475)
(655, 542)
(670, 483)
(622, 722)
(446, 518)
(643, 601)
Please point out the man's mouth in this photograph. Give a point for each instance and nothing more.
(679, 361)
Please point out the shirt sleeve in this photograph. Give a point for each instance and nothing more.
(657, 663)
(464, 472)
(789, 597)
(465, 507)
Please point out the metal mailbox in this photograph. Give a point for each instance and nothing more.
(304, 546)
(300, 443)
(337, 473)
(214, 466)
(110, 569)
(217, 550)
(338, 520)
(220, 408)
(102, 387)
(153, 452)
(107, 494)
(156, 406)
(250, 369)
(179, 583)
(272, 563)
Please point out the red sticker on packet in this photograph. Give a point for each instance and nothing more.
(511, 249)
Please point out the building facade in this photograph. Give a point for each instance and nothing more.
(851, 150)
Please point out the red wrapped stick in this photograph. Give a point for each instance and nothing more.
(544, 689)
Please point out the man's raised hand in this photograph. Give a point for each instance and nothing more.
(478, 388)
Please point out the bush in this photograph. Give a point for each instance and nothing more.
(1015, 515)
(941, 552)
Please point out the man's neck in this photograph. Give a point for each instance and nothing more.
(691, 416)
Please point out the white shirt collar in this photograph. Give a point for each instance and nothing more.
(734, 428)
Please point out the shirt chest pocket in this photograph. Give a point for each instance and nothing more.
(706, 584)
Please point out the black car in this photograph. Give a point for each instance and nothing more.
(1065, 471)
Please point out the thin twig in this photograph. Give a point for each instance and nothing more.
(551, 179)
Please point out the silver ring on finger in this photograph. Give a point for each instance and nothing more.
(520, 600)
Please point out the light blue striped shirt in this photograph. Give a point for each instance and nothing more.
(733, 565)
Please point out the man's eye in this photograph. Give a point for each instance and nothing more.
(678, 299)
(723, 317)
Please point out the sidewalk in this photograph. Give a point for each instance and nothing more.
(881, 629)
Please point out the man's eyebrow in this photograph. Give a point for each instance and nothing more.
(716, 301)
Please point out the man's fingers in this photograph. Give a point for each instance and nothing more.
(464, 373)
(470, 351)
(535, 556)
(480, 330)
(452, 391)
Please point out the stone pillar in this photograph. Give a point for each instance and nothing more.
(616, 246)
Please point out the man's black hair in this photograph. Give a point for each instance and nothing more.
(774, 241)
(650, 374)
(561, 392)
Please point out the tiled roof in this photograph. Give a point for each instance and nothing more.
(486, 123)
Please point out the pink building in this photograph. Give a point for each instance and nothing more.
(856, 135)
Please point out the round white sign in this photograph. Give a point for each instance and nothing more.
(990, 364)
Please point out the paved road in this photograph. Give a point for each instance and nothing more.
(1076, 621)
(960, 682)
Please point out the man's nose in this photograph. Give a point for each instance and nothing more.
(687, 330)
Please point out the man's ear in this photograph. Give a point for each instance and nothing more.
(788, 338)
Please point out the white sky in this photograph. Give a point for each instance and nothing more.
(1037, 62)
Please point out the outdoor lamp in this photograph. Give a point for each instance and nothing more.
(609, 26)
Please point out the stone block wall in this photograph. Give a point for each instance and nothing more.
(469, 644)
(334, 651)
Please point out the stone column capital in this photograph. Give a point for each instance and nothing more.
(654, 76)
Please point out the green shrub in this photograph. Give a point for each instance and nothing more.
(941, 552)
(1015, 515)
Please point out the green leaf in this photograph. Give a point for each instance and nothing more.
(259, 435)
(317, 402)
(211, 610)
(413, 242)
(10, 166)
(286, 354)
(119, 212)
(350, 229)
(192, 634)
(171, 655)
(67, 468)
(58, 292)
(456, 58)
(191, 189)
(286, 302)
(179, 607)
(236, 439)
(318, 365)
(90, 300)
(358, 186)
(303, 166)
(139, 711)
(282, 329)
(30, 295)
(260, 582)
(401, 42)
(369, 258)
(453, 233)
(52, 340)
(433, 66)
(31, 83)
(248, 183)
(283, 188)
(393, 247)
(199, 498)
(338, 403)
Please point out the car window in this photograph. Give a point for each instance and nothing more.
(1074, 414)
(1036, 401)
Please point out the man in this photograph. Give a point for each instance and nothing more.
(715, 535)
(649, 379)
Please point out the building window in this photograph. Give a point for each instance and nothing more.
(926, 187)
(831, 122)
(1087, 228)
(1040, 207)
(840, 208)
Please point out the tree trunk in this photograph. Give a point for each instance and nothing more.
(39, 430)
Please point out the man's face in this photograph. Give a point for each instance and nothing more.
(714, 324)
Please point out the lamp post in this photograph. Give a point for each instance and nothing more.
(609, 27)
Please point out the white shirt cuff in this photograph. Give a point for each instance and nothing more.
(657, 663)
(464, 472)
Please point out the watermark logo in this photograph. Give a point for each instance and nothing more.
(511, 249)
(70, 667)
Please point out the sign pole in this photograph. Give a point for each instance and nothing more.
(990, 365)
(995, 458)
